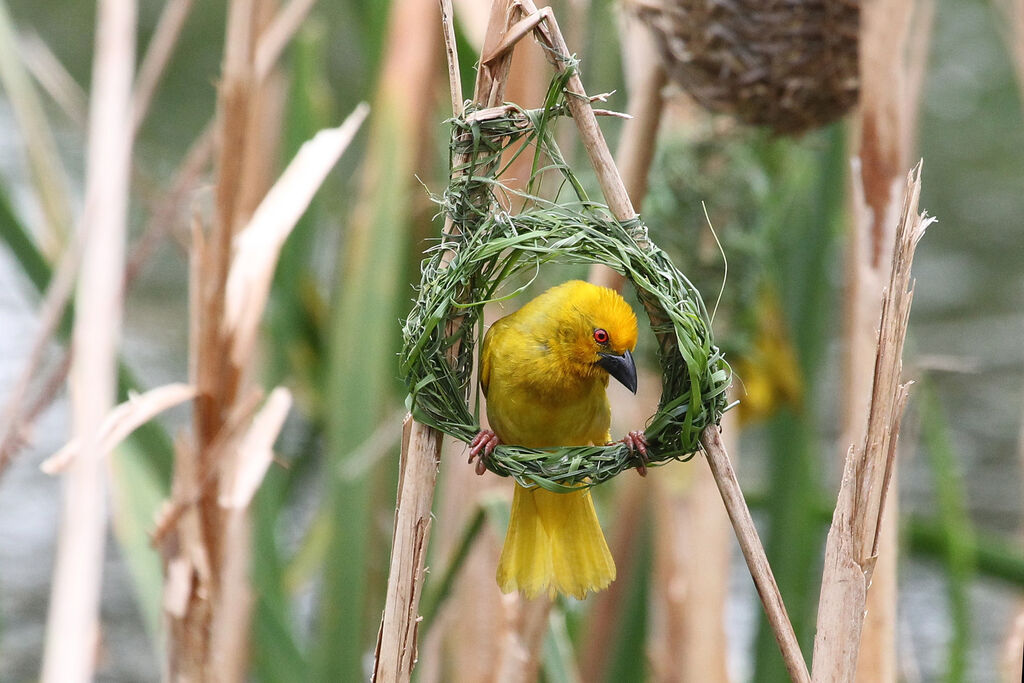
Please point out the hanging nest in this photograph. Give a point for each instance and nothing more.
(467, 269)
(787, 64)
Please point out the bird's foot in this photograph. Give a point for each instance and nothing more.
(636, 442)
(482, 445)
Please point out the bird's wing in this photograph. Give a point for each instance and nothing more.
(486, 355)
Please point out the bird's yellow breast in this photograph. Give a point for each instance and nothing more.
(533, 398)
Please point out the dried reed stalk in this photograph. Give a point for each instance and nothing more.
(212, 536)
(646, 79)
(16, 428)
(207, 551)
(522, 637)
(205, 537)
(206, 593)
(885, 121)
(395, 653)
(854, 540)
(73, 621)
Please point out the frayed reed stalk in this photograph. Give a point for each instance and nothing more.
(204, 536)
(891, 61)
(855, 538)
(73, 620)
(206, 592)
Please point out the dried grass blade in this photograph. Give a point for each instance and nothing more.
(245, 471)
(119, 423)
(257, 247)
(158, 54)
(53, 77)
(278, 34)
(48, 175)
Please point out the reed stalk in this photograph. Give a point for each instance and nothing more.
(73, 620)
(395, 654)
(886, 123)
(54, 79)
(206, 594)
(855, 540)
(205, 535)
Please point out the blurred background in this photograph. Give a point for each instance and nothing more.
(782, 204)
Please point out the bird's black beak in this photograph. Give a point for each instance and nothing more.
(621, 368)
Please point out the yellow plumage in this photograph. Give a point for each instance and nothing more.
(544, 370)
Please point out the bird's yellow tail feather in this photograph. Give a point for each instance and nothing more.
(555, 544)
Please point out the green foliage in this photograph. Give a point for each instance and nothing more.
(801, 220)
(956, 524)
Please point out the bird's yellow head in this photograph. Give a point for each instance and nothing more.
(592, 330)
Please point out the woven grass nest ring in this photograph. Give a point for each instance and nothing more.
(440, 330)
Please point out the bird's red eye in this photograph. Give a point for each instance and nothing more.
(600, 336)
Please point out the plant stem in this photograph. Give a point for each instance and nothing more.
(421, 448)
(73, 622)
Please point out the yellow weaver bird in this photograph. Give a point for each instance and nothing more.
(544, 370)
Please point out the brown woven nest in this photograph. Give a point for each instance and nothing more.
(787, 64)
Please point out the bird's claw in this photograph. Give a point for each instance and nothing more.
(482, 445)
(636, 442)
